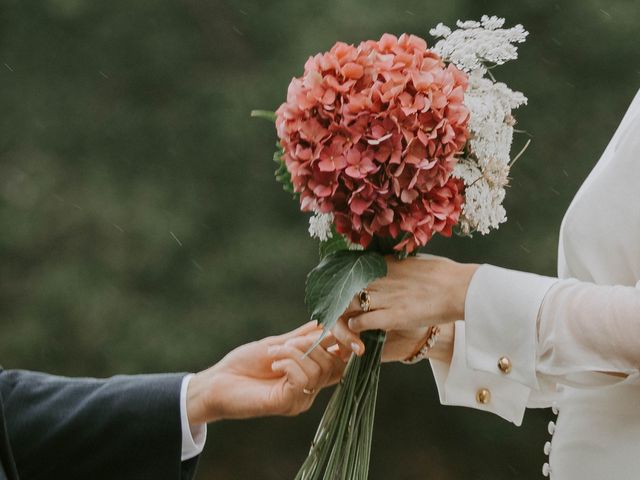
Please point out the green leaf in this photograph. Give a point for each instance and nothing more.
(336, 280)
(266, 114)
(336, 243)
(282, 173)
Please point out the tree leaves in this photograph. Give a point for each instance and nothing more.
(336, 280)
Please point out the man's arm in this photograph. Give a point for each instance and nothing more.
(133, 427)
(125, 427)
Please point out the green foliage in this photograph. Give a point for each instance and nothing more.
(283, 176)
(282, 173)
(336, 243)
(337, 279)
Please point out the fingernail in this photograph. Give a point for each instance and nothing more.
(356, 348)
(276, 366)
(351, 323)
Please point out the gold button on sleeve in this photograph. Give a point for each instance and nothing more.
(483, 396)
(504, 364)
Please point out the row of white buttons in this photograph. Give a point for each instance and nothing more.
(551, 428)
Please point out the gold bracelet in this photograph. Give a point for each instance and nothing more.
(423, 351)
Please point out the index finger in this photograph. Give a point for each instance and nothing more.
(303, 330)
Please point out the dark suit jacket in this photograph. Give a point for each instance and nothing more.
(124, 427)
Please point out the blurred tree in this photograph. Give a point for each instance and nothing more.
(142, 229)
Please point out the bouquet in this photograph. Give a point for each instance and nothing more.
(387, 144)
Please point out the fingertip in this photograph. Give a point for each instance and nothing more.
(358, 348)
(278, 366)
(353, 324)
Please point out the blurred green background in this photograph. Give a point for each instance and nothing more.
(142, 229)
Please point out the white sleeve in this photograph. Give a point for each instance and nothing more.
(193, 438)
(548, 331)
(462, 386)
(588, 330)
(501, 313)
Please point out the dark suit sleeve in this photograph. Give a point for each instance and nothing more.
(124, 427)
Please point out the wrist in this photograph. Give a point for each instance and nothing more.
(200, 407)
(422, 349)
(462, 275)
(443, 348)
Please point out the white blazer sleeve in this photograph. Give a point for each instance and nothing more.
(548, 331)
(587, 331)
(501, 312)
(461, 386)
(524, 334)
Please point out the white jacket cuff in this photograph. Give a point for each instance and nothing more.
(460, 385)
(501, 314)
(193, 437)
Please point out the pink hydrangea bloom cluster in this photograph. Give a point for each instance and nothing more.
(371, 133)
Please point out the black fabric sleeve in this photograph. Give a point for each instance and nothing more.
(124, 427)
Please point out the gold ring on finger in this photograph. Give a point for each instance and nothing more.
(365, 300)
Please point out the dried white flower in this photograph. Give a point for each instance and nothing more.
(484, 193)
(478, 45)
(467, 170)
(440, 30)
(492, 23)
(483, 208)
(466, 24)
(320, 226)
(353, 246)
(491, 123)
(484, 168)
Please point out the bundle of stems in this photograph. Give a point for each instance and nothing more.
(341, 448)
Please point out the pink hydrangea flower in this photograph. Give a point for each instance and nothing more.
(371, 133)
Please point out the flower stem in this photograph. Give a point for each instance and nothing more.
(266, 114)
(341, 448)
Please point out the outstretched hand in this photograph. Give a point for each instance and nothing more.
(267, 377)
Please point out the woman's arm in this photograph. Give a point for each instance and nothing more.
(521, 333)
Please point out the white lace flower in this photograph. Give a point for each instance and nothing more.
(478, 45)
(491, 123)
(492, 23)
(320, 226)
(483, 208)
(353, 246)
(440, 30)
(484, 168)
(467, 24)
(467, 170)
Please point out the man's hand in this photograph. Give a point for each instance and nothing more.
(267, 377)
